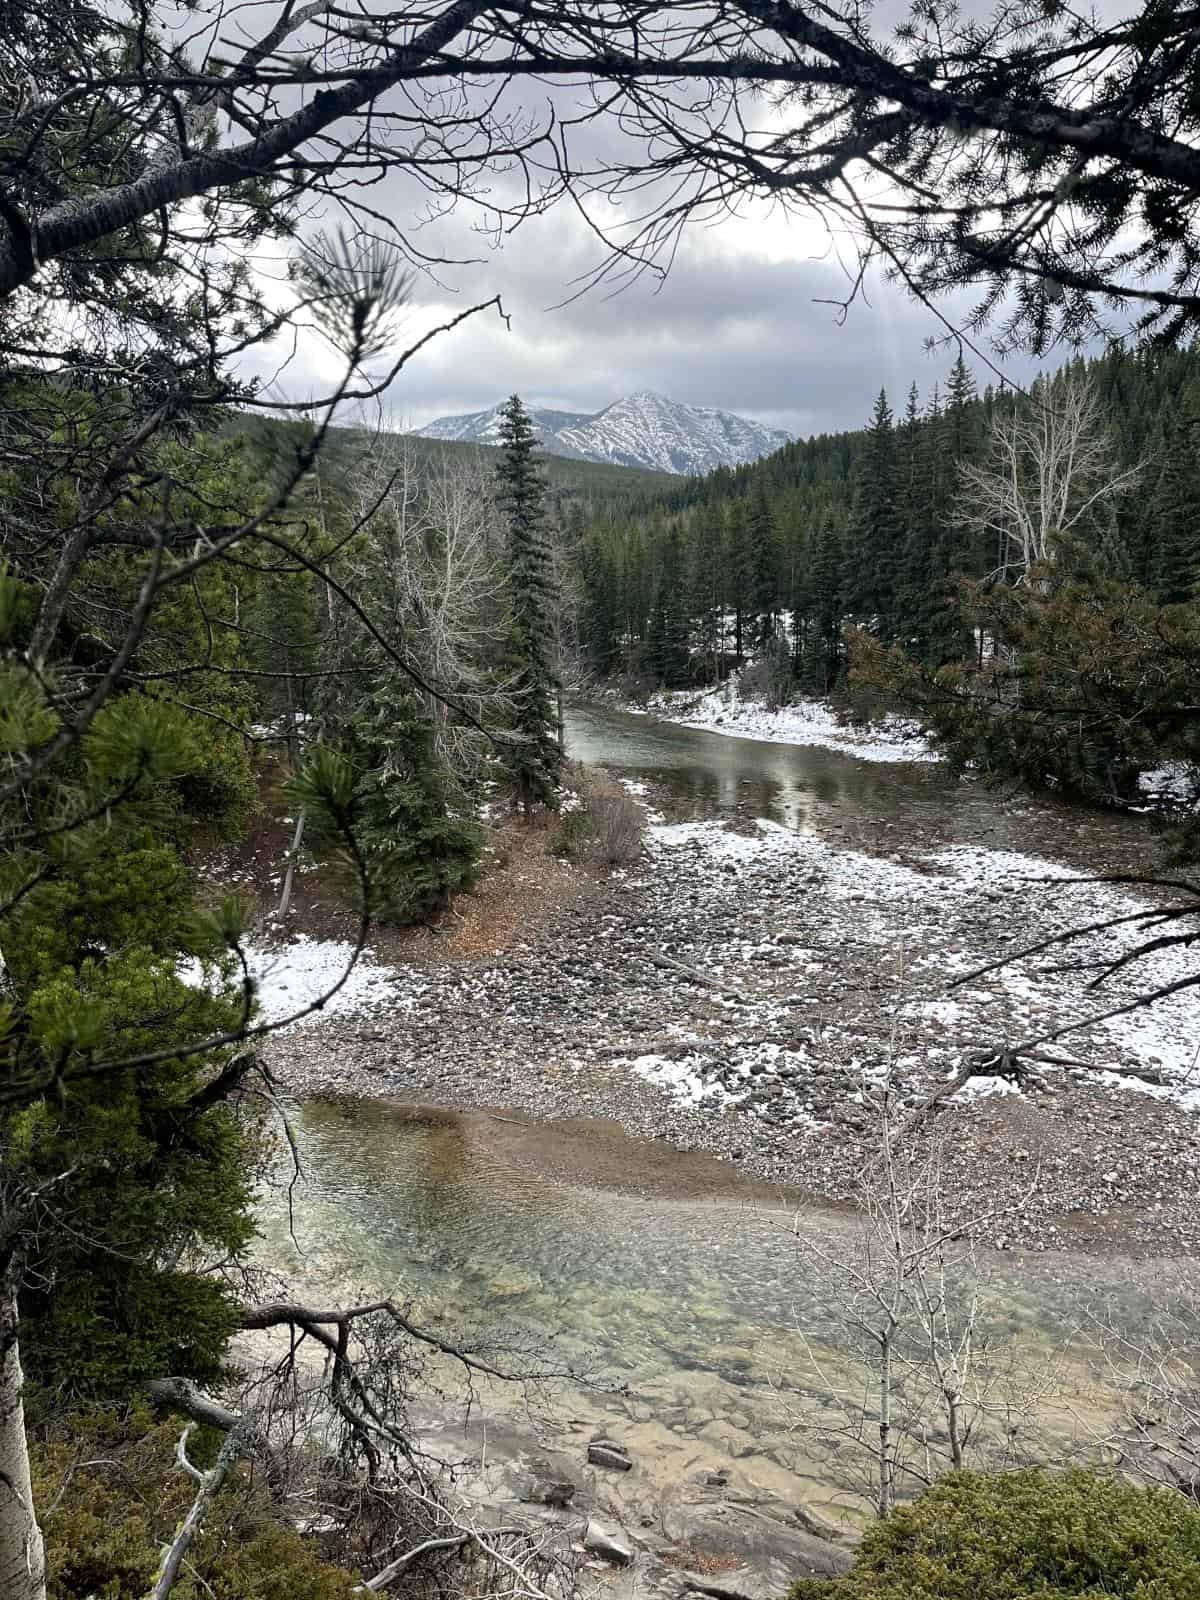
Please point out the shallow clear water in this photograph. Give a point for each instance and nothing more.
(691, 1316)
(702, 1323)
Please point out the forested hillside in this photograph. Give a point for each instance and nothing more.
(875, 527)
(586, 488)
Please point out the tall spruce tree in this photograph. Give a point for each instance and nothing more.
(872, 573)
(1173, 566)
(765, 582)
(708, 588)
(913, 576)
(738, 570)
(961, 440)
(823, 656)
(533, 759)
(599, 619)
(669, 656)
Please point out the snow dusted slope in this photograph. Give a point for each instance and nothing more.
(642, 430)
(483, 427)
(648, 430)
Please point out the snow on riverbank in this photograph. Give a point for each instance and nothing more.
(931, 923)
(808, 722)
(814, 722)
(292, 977)
(736, 991)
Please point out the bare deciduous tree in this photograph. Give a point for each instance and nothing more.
(1050, 477)
(427, 571)
(909, 1289)
(1157, 1370)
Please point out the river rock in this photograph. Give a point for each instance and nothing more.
(763, 1535)
(607, 1453)
(607, 1542)
(549, 1485)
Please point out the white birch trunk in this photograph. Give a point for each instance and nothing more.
(22, 1552)
(886, 1463)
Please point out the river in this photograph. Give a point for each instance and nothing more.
(699, 1329)
(827, 794)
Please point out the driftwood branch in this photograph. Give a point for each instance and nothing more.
(210, 1482)
(669, 964)
(181, 1394)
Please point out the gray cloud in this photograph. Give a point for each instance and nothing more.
(742, 321)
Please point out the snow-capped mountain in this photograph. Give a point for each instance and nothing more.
(642, 430)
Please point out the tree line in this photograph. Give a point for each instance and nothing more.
(874, 528)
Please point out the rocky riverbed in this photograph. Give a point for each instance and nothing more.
(744, 989)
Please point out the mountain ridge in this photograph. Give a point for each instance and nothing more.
(643, 429)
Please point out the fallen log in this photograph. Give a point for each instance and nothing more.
(669, 964)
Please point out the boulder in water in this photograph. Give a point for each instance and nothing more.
(549, 1485)
(608, 1453)
(607, 1542)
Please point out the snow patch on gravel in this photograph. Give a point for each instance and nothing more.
(894, 902)
(719, 843)
(683, 1079)
(290, 978)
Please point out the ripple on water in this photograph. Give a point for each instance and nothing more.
(695, 1308)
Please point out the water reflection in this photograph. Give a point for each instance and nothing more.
(825, 792)
(706, 773)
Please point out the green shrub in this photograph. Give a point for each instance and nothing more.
(1029, 1535)
(115, 1497)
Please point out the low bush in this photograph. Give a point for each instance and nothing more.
(617, 826)
(1031, 1535)
(769, 678)
(115, 1497)
(604, 828)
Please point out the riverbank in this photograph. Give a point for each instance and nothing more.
(694, 1319)
(737, 992)
(804, 722)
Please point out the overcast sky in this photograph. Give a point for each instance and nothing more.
(738, 323)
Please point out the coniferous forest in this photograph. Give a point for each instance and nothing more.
(906, 561)
(874, 527)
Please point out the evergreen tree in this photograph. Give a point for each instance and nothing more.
(419, 850)
(740, 568)
(822, 664)
(669, 656)
(123, 1172)
(914, 575)
(911, 494)
(708, 587)
(600, 609)
(961, 439)
(533, 759)
(1174, 507)
(764, 576)
(1083, 692)
(873, 555)
(962, 418)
